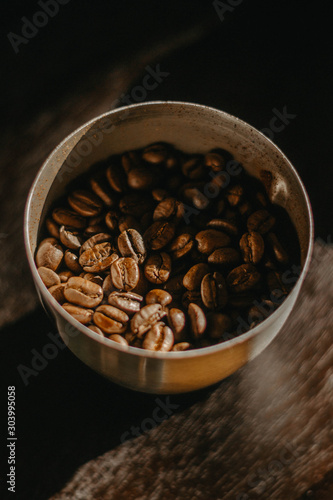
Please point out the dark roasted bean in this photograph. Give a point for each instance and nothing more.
(129, 222)
(159, 234)
(158, 296)
(215, 161)
(116, 177)
(130, 244)
(193, 167)
(68, 218)
(234, 195)
(71, 240)
(226, 256)
(85, 203)
(125, 273)
(214, 291)
(211, 239)
(197, 319)
(279, 252)
(225, 225)
(155, 153)
(181, 246)
(94, 240)
(52, 227)
(99, 187)
(193, 277)
(243, 278)
(252, 247)
(158, 267)
(167, 209)
(135, 204)
(260, 221)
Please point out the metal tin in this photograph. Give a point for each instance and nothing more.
(191, 128)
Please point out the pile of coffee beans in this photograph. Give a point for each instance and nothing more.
(168, 251)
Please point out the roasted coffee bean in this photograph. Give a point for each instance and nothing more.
(155, 153)
(65, 275)
(226, 256)
(175, 286)
(158, 296)
(182, 346)
(143, 320)
(125, 273)
(95, 329)
(49, 277)
(92, 230)
(158, 338)
(72, 262)
(49, 254)
(68, 218)
(143, 284)
(141, 178)
(260, 221)
(245, 208)
(218, 324)
(159, 234)
(193, 277)
(214, 292)
(224, 225)
(129, 222)
(234, 195)
(197, 319)
(196, 197)
(252, 247)
(116, 177)
(130, 244)
(110, 319)
(83, 292)
(108, 286)
(193, 167)
(167, 209)
(94, 240)
(53, 228)
(99, 187)
(81, 314)
(243, 278)
(85, 203)
(126, 301)
(130, 160)
(181, 246)
(211, 239)
(157, 268)
(98, 258)
(279, 252)
(95, 278)
(57, 292)
(177, 322)
(112, 220)
(119, 339)
(215, 161)
(69, 239)
(160, 194)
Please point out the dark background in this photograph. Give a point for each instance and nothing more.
(262, 56)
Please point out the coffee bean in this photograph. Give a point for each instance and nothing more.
(157, 268)
(85, 203)
(57, 292)
(99, 187)
(130, 244)
(112, 220)
(214, 291)
(52, 228)
(224, 225)
(193, 277)
(72, 262)
(126, 301)
(155, 153)
(95, 278)
(49, 254)
(83, 292)
(196, 197)
(214, 161)
(193, 167)
(157, 296)
(92, 230)
(81, 314)
(182, 346)
(226, 256)
(71, 240)
(167, 209)
(211, 239)
(260, 221)
(234, 195)
(141, 178)
(181, 246)
(159, 234)
(130, 160)
(94, 240)
(160, 194)
(193, 296)
(119, 339)
(279, 252)
(252, 247)
(143, 320)
(125, 273)
(177, 322)
(197, 319)
(110, 319)
(65, 275)
(95, 329)
(98, 258)
(49, 277)
(116, 177)
(68, 218)
(158, 338)
(129, 222)
(243, 278)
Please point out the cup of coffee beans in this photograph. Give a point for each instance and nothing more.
(170, 244)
